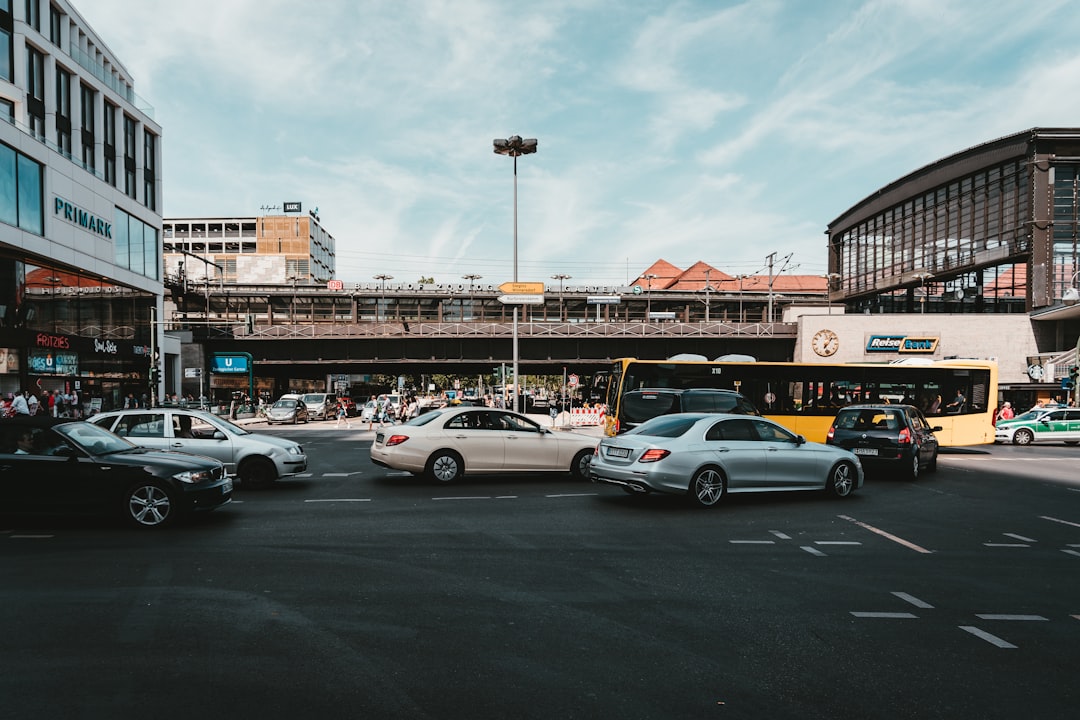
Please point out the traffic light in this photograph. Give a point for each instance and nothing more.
(155, 374)
(1074, 376)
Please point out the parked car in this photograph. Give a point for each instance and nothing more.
(461, 440)
(1040, 425)
(59, 466)
(350, 406)
(320, 406)
(368, 413)
(884, 435)
(705, 456)
(637, 406)
(287, 410)
(256, 459)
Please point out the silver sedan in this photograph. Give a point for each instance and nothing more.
(707, 455)
(450, 442)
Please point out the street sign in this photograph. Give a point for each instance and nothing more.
(192, 372)
(522, 288)
(603, 300)
(335, 285)
(521, 299)
(572, 380)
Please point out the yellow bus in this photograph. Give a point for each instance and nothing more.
(958, 395)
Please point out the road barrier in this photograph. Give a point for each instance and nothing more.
(587, 416)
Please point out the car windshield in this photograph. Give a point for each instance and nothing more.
(314, 398)
(425, 418)
(96, 440)
(220, 423)
(285, 404)
(666, 426)
(639, 407)
(1029, 415)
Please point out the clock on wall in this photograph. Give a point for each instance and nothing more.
(825, 342)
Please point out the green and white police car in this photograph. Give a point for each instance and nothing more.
(1041, 425)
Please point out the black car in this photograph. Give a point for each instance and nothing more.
(885, 435)
(637, 406)
(60, 467)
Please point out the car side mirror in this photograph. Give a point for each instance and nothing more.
(800, 440)
(936, 428)
(218, 435)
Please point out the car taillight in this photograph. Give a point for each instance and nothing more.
(832, 431)
(396, 440)
(654, 454)
(905, 437)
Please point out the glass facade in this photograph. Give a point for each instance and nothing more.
(136, 245)
(20, 191)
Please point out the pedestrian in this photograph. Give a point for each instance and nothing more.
(32, 403)
(19, 403)
(1006, 411)
(342, 415)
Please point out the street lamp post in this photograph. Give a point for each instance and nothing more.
(471, 277)
(648, 298)
(514, 146)
(382, 277)
(562, 308)
(923, 277)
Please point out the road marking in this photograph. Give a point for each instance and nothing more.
(302, 475)
(562, 495)
(780, 535)
(1072, 552)
(886, 615)
(1006, 544)
(1020, 537)
(913, 600)
(31, 537)
(506, 497)
(992, 639)
(871, 528)
(813, 550)
(1063, 522)
(464, 497)
(336, 500)
(752, 542)
(1010, 617)
(345, 474)
(837, 542)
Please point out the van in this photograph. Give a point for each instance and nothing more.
(320, 406)
(637, 406)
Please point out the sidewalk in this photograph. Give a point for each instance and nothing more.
(561, 424)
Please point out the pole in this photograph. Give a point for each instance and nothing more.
(153, 356)
(517, 308)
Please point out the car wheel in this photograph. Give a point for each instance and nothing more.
(445, 466)
(149, 505)
(707, 487)
(841, 482)
(294, 420)
(579, 469)
(256, 472)
(913, 471)
(1023, 437)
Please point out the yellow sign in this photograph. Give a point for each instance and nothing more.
(522, 288)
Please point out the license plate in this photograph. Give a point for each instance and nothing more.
(618, 452)
(378, 438)
(865, 451)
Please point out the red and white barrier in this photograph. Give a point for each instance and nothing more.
(580, 417)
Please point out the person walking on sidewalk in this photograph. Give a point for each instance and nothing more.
(342, 415)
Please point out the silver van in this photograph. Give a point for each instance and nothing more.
(320, 406)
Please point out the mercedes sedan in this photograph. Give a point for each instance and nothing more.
(459, 440)
(705, 456)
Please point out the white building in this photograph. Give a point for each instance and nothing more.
(80, 220)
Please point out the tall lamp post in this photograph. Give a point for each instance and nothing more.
(562, 308)
(382, 277)
(922, 278)
(514, 146)
(471, 277)
(648, 301)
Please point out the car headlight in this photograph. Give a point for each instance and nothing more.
(296, 450)
(193, 477)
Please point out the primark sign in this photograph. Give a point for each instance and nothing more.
(901, 344)
(85, 219)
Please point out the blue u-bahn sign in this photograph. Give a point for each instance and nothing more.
(226, 364)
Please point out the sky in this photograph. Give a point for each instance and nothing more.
(700, 130)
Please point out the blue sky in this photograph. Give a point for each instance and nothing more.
(696, 130)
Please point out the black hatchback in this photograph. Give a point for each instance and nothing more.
(884, 435)
(61, 467)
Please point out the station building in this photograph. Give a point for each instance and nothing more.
(80, 221)
(974, 255)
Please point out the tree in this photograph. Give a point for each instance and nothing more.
(426, 281)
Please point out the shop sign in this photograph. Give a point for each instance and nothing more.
(104, 346)
(9, 360)
(45, 340)
(84, 219)
(45, 362)
(901, 344)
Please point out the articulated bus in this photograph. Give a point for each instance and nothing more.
(804, 397)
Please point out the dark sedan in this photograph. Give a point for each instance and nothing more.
(60, 467)
(887, 436)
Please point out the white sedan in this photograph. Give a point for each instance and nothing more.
(450, 442)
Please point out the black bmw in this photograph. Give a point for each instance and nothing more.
(59, 467)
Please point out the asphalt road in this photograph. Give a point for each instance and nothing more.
(353, 592)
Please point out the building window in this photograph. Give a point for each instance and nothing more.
(149, 167)
(33, 14)
(20, 191)
(135, 245)
(55, 17)
(109, 141)
(87, 101)
(35, 92)
(63, 112)
(129, 156)
(7, 47)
